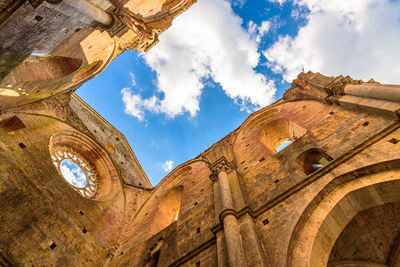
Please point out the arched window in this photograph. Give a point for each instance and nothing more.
(167, 210)
(280, 133)
(283, 144)
(312, 160)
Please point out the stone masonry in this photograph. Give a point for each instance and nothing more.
(330, 198)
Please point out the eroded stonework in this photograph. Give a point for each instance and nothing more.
(331, 198)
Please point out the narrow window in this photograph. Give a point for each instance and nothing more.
(312, 160)
(154, 259)
(22, 145)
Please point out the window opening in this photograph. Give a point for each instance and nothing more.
(75, 170)
(22, 145)
(312, 160)
(283, 145)
(53, 245)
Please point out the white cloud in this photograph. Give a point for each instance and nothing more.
(359, 37)
(239, 3)
(277, 1)
(133, 79)
(258, 31)
(264, 27)
(207, 41)
(135, 105)
(167, 166)
(73, 173)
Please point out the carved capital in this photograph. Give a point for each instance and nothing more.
(336, 88)
(221, 165)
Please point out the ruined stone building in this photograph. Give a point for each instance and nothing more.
(330, 198)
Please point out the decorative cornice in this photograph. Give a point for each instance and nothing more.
(220, 165)
(336, 88)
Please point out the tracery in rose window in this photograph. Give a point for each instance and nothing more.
(76, 170)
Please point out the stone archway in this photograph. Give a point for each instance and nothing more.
(370, 239)
(333, 208)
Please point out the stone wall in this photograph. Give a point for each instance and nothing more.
(239, 203)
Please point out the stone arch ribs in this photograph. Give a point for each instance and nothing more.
(329, 212)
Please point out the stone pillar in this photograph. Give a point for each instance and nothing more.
(375, 91)
(90, 10)
(228, 215)
(225, 193)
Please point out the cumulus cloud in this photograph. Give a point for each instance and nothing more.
(167, 166)
(358, 37)
(205, 42)
(135, 104)
(73, 173)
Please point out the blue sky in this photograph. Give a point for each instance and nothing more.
(221, 60)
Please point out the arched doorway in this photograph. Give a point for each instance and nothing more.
(328, 214)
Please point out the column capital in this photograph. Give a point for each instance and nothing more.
(220, 165)
(336, 88)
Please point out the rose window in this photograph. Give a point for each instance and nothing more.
(76, 170)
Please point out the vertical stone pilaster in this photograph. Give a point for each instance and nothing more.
(221, 250)
(251, 242)
(227, 215)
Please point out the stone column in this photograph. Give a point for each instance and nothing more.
(375, 91)
(228, 214)
(90, 10)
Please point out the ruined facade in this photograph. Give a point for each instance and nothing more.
(330, 198)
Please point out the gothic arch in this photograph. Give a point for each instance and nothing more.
(278, 131)
(334, 207)
(167, 210)
(285, 120)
